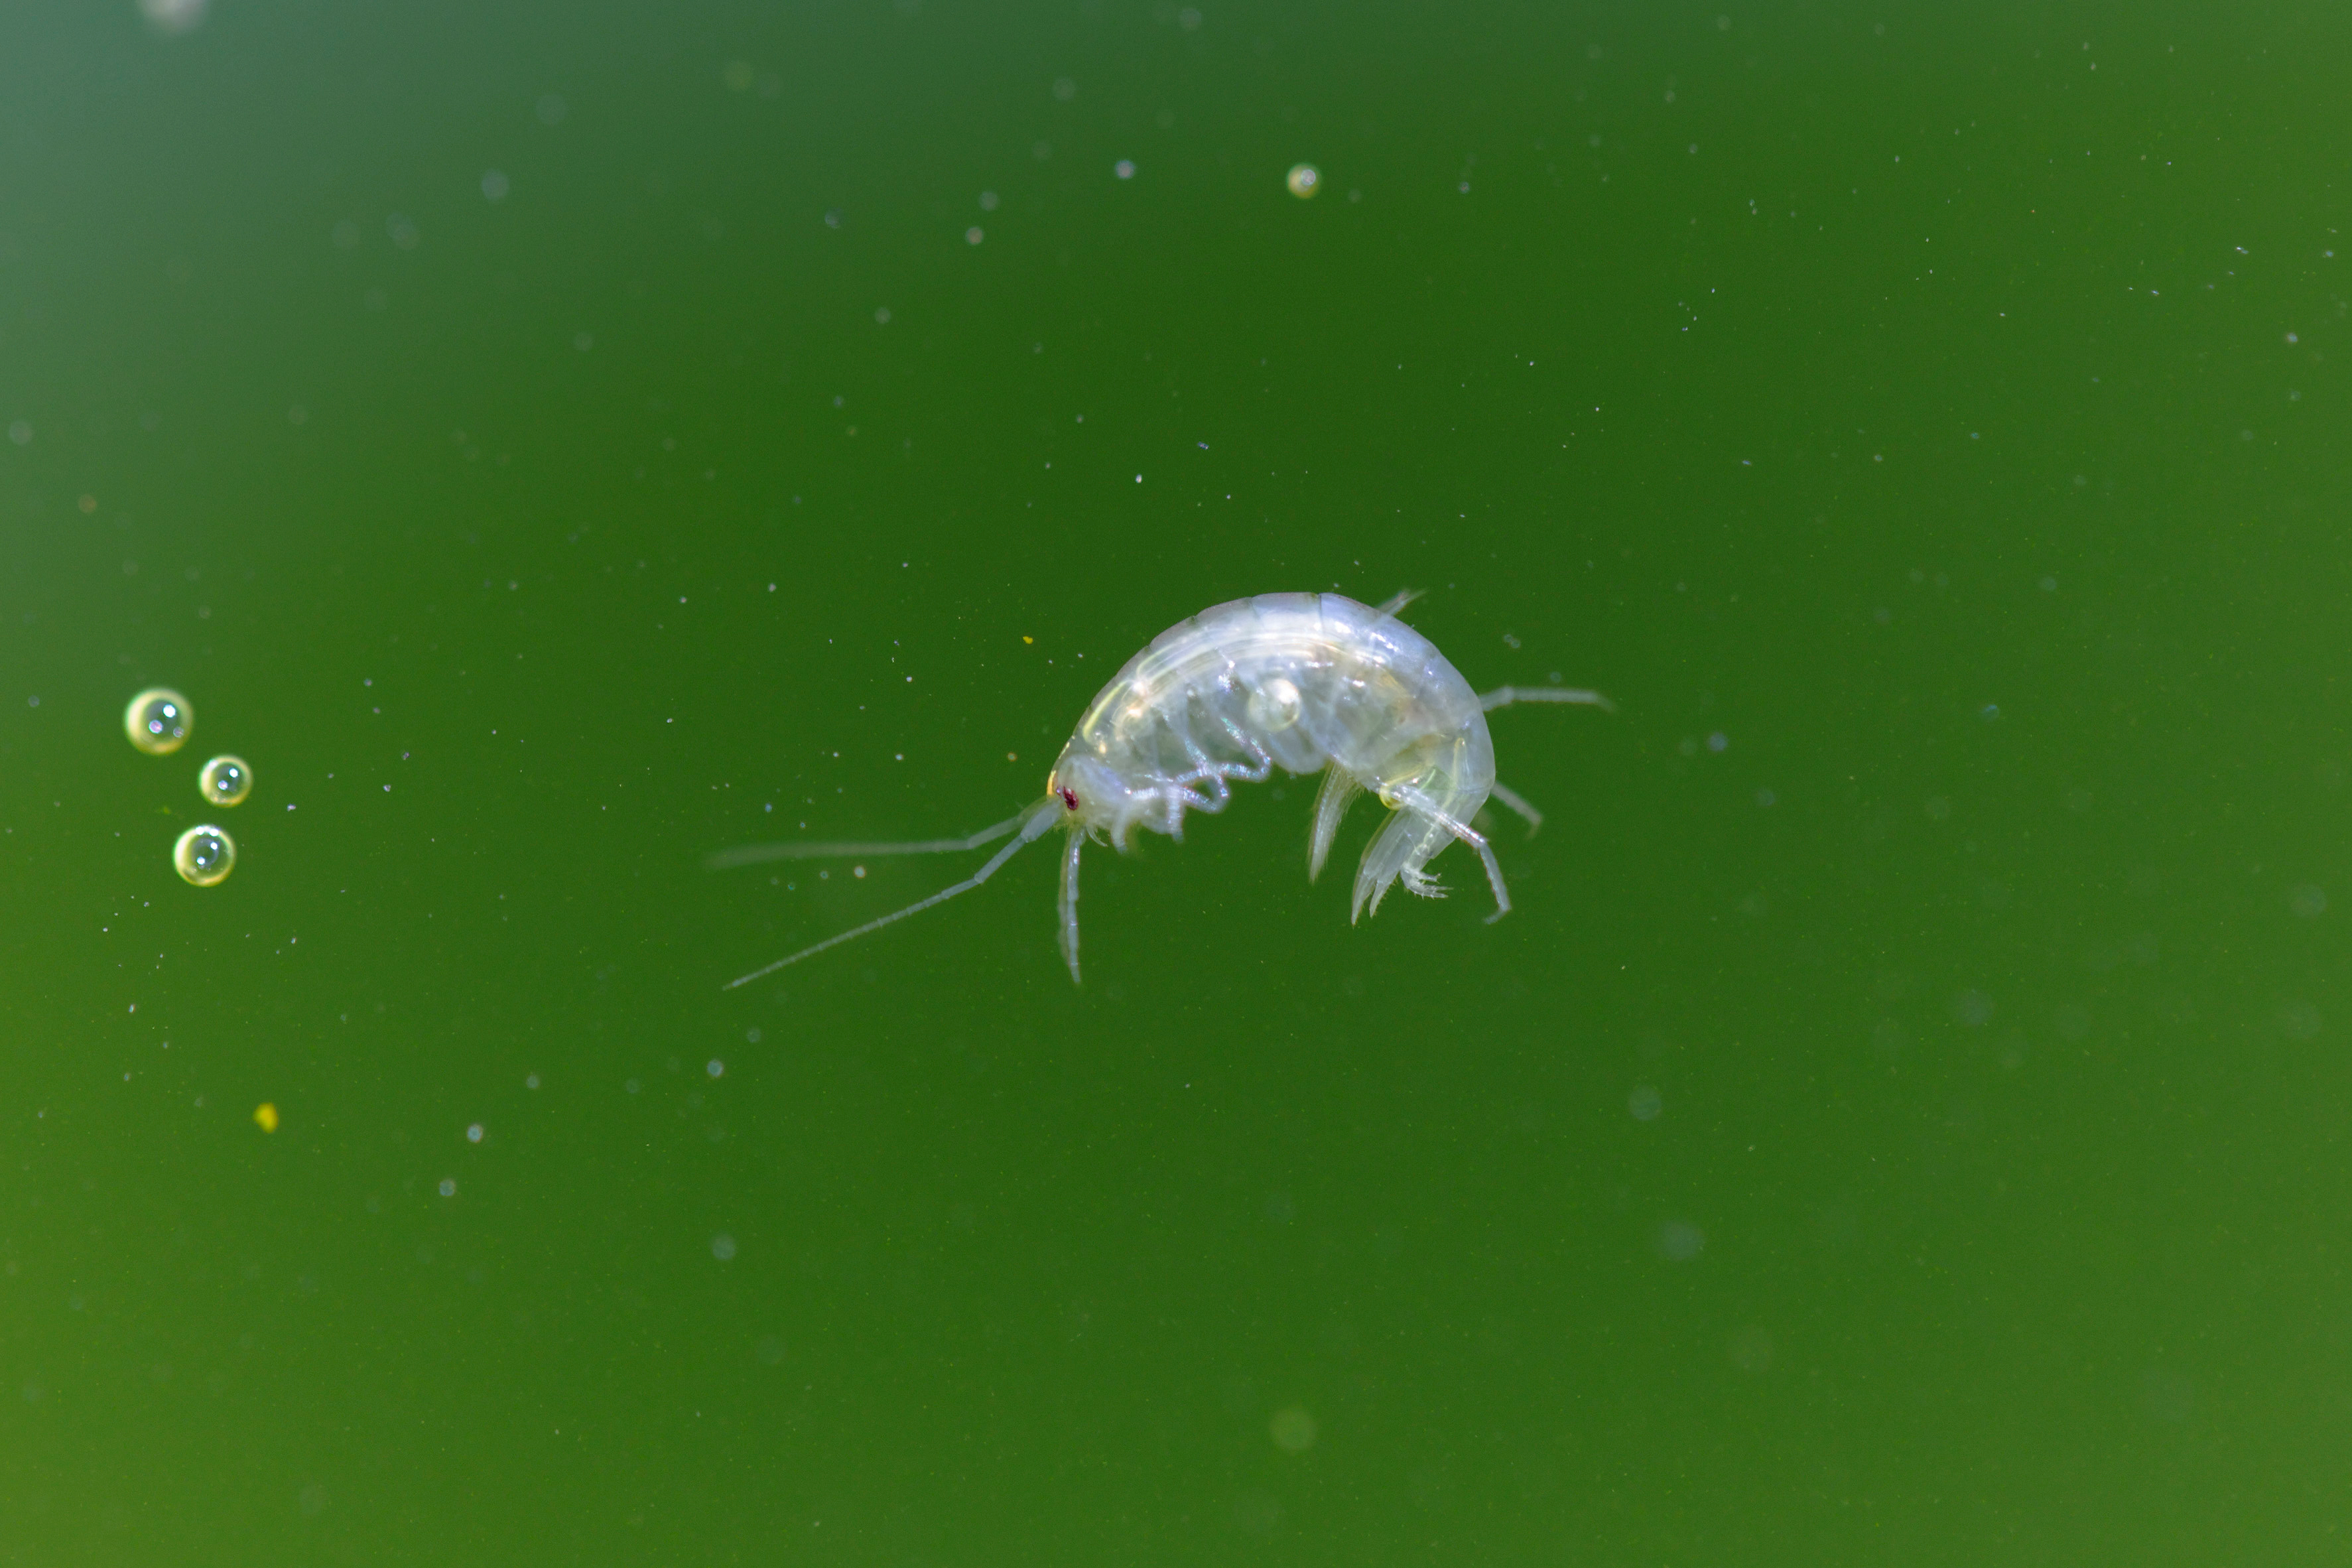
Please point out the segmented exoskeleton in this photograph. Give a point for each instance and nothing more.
(1303, 682)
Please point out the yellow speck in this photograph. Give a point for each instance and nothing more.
(265, 1116)
(1028, 639)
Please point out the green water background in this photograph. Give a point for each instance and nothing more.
(1911, 1132)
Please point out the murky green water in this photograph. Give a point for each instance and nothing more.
(1901, 1122)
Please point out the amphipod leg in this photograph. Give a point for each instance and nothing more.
(1331, 802)
(1033, 825)
(1477, 841)
(1461, 830)
(1070, 905)
(1504, 696)
(1518, 802)
(1494, 874)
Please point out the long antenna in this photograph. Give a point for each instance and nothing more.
(1033, 825)
(754, 854)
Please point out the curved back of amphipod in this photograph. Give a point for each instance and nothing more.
(1303, 682)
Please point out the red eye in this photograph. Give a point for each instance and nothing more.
(1069, 797)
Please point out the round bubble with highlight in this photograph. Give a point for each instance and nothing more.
(1304, 180)
(158, 721)
(225, 780)
(205, 856)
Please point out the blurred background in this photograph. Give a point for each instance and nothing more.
(1903, 1120)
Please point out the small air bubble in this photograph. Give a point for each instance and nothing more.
(205, 856)
(158, 721)
(225, 780)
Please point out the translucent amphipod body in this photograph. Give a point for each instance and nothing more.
(1304, 682)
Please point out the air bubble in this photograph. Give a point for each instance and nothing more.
(205, 856)
(225, 780)
(158, 721)
(1304, 180)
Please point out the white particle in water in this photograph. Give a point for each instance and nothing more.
(723, 1247)
(474, 1132)
(448, 1186)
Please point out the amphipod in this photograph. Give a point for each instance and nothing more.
(1304, 682)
